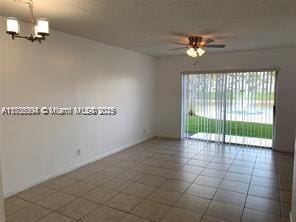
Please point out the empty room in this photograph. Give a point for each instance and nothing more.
(147, 110)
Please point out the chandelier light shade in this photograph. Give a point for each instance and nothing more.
(39, 27)
(12, 26)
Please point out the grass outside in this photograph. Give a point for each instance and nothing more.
(196, 124)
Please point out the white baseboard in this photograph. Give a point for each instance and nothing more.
(59, 173)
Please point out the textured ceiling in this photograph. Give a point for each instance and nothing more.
(149, 26)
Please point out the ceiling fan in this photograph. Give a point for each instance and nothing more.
(196, 44)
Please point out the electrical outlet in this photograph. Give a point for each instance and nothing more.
(78, 152)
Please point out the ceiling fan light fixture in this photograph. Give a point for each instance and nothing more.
(12, 26)
(200, 51)
(191, 52)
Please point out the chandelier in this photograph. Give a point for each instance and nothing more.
(39, 27)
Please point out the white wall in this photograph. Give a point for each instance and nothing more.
(67, 70)
(2, 216)
(293, 204)
(169, 87)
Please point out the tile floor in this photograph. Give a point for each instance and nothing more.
(165, 180)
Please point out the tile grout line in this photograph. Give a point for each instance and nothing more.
(244, 207)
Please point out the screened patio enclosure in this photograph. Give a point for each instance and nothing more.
(229, 107)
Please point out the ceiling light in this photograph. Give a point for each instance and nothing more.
(191, 52)
(12, 26)
(42, 26)
(200, 51)
(39, 28)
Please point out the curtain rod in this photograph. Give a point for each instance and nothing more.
(275, 69)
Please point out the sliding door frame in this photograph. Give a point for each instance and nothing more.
(274, 69)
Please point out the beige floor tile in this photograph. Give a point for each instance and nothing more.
(262, 204)
(30, 213)
(116, 184)
(257, 216)
(181, 215)
(243, 163)
(99, 194)
(97, 179)
(198, 163)
(265, 173)
(130, 176)
(79, 188)
(150, 210)
(224, 211)
(142, 168)
(93, 167)
(152, 180)
(201, 191)
(238, 177)
(161, 172)
(59, 182)
(172, 165)
(266, 182)
(77, 208)
(208, 181)
(125, 165)
(12, 204)
(204, 157)
(122, 181)
(55, 217)
(219, 166)
(168, 197)
(79, 174)
(138, 189)
(222, 160)
(242, 170)
(211, 219)
(183, 176)
(234, 186)
(36, 193)
(214, 173)
(56, 200)
(124, 202)
(193, 203)
(192, 169)
(112, 171)
(104, 214)
(230, 197)
(153, 162)
(264, 192)
(133, 218)
(175, 185)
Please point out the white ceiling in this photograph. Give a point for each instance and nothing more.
(149, 26)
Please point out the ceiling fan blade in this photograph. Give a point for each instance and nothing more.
(215, 46)
(209, 40)
(178, 48)
(180, 43)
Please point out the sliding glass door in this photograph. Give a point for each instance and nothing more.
(235, 107)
